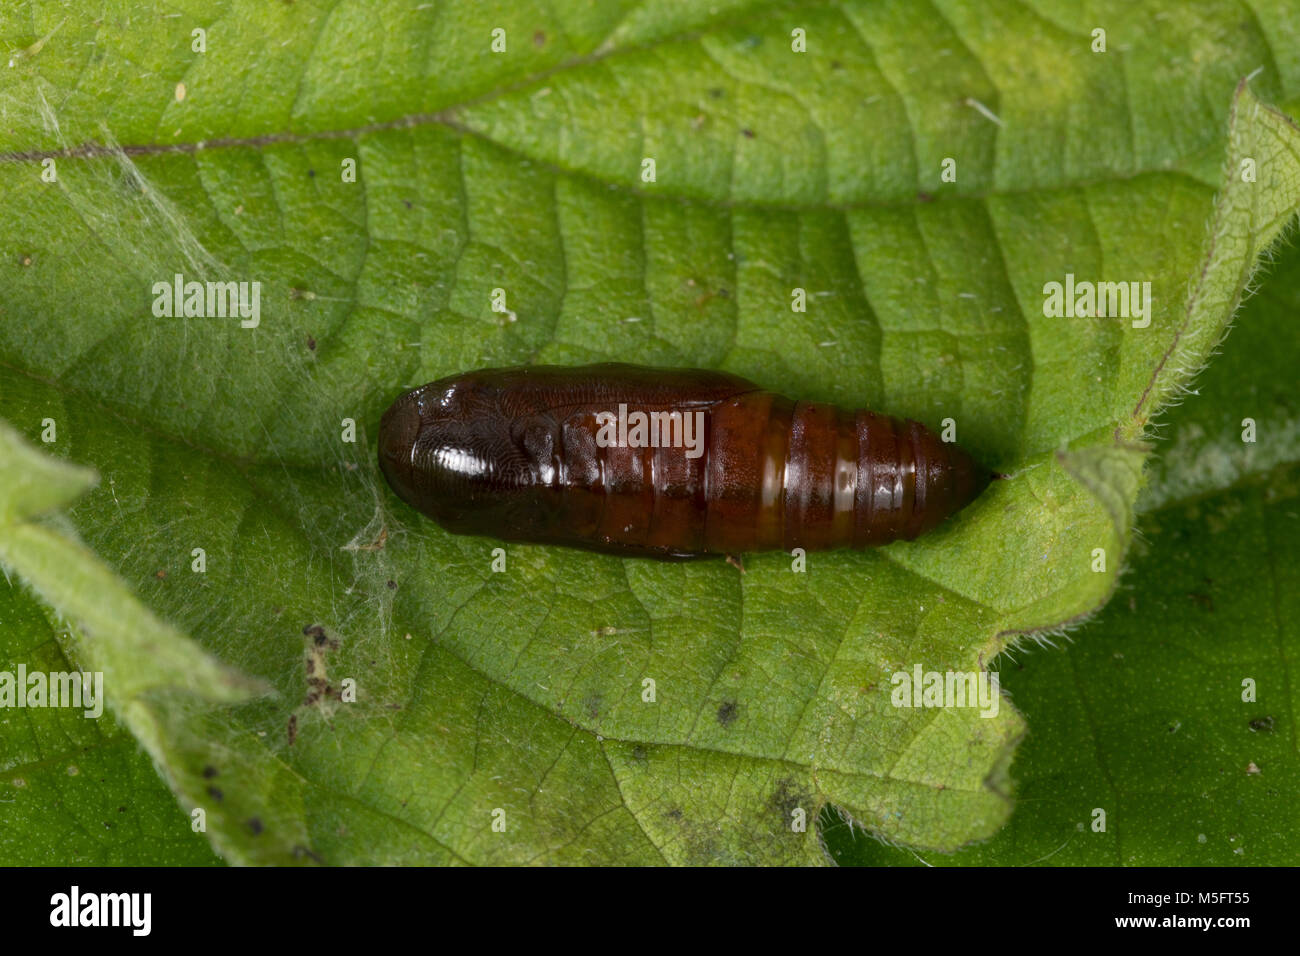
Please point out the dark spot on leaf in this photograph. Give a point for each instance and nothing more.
(727, 713)
(539, 38)
(748, 133)
(1264, 724)
(717, 92)
(408, 204)
(293, 728)
(209, 772)
(638, 752)
(674, 814)
(255, 826)
(392, 585)
(121, 809)
(311, 343)
(836, 65)
(923, 196)
(311, 173)
(787, 798)
(592, 706)
(1204, 601)
(216, 794)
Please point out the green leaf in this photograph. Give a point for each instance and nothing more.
(1142, 713)
(75, 789)
(135, 657)
(523, 171)
(1143, 716)
(1203, 450)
